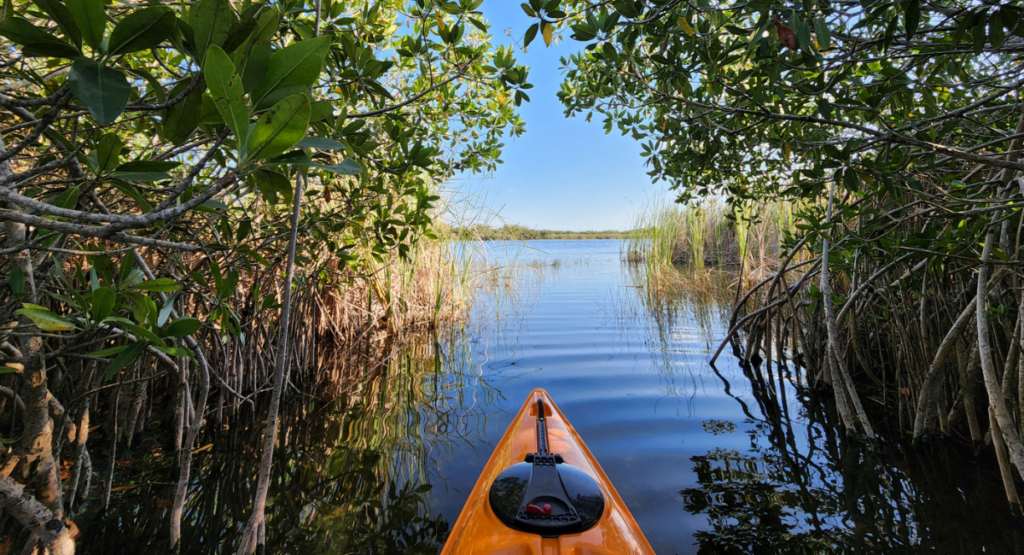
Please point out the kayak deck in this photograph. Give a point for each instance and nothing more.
(479, 530)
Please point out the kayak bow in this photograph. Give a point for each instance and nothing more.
(543, 493)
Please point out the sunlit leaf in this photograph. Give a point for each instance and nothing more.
(211, 21)
(44, 319)
(280, 128)
(295, 65)
(160, 285)
(226, 89)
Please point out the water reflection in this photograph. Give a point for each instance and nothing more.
(801, 487)
(350, 474)
(709, 460)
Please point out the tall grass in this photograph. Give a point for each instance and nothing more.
(708, 239)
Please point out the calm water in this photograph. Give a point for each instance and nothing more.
(710, 460)
(641, 404)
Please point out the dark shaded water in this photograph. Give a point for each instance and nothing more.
(708, 460)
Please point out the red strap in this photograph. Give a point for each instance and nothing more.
(533, 509)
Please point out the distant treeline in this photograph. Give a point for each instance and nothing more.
(523, 233)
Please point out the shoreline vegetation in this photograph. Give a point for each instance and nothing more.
(896, 130)
(514, 232)
(200, 222)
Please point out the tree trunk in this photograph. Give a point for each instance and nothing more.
(42, 513)
(255, 524)
(996, 397)
(841, 381)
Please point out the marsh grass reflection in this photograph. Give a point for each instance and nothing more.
(800, 485)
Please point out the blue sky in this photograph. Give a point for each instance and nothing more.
(563, 174)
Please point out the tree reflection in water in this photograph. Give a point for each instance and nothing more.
(802, 487)
(349, 474)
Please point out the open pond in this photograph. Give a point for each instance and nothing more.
(711, 460)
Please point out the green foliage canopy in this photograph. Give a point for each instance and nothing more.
(873, 88)
(182, 128)
(150, 155)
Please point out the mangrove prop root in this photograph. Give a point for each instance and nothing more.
(252, 534)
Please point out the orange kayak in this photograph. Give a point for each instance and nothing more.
(543, 493)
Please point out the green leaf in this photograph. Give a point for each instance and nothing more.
(851, 179)
(103, 90)
(107, 352)
(321, 110)
(270, 183)
(209, 114)
(145, 170)
(346, 167)
(183, 118)
(280, 128)
(103, 300)
(320, 143)
(299, 158)
(108, 152)
(803, 35)
(913, 17)
(127, 270)
(141, 30)
(210, 20)
(175, 351)
(978, 35)
(198, 278)
(44, 319)
(140, 332)
(165, 310)
(996, 35)
(227, 288)
(91, 19)
(36, 43)
(160, 285)
(822, 33)
(531, 33)
(147, 166)
(241, 30)
(126, 357)
(65, 20)
(269, 20)
(142, 176)
(226, 89)
(254, 66)
(182, 327)
(17, 281)
(68, 199)
(281, 93)
(297, 64)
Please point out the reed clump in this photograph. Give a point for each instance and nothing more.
(711, 242)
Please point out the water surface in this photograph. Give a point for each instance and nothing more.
(639, 395)
(708, 460)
